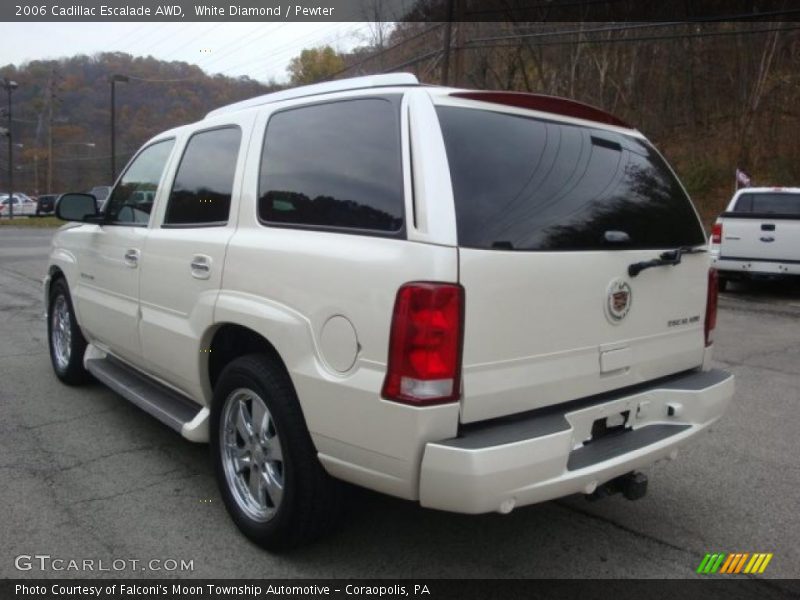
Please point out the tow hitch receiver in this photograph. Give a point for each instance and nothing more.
(633, 486)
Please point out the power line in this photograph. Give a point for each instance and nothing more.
(477, 43)
(413, 61)
(301, 42)
(146, 80)
(633, 26)
(385, 50)
(150, 31)
(165, 38)
(550, 6)
(324, 39)
(472, 46)
(240, 44)
(128, 36)
(191, 41)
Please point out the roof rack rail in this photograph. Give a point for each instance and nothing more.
(340, 85)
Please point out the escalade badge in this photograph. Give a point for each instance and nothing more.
(618, 300)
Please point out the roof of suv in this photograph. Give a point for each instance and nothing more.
(538, 102)
(340, 85)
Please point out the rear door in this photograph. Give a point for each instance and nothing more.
(763, 226)
(550, 215)
(185, 252)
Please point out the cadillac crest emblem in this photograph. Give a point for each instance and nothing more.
(618, 300)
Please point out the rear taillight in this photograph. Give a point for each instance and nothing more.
(425, 344)
(711, 305)
(716, 233)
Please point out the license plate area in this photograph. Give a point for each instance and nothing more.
(611, 425)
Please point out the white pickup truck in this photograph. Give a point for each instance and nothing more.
(758, 235)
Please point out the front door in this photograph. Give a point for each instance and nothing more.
(107, 294)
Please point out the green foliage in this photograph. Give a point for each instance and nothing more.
(315, 64)
(32, 222)
(702, 176)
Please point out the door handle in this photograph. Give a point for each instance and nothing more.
(201, 266)
(132, 258)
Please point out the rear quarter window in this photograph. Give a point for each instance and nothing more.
(335, 165)
(524, 183)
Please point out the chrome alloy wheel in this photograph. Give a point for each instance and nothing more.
(251, 455)
(61, 332)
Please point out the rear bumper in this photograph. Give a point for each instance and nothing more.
(746, 267)
(513, 462)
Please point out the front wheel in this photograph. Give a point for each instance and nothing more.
(265, 463)
(67, 344)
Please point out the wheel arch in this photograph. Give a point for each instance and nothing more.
(54, 273)
(228, 341)
(243, 324)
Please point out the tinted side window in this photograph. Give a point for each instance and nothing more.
(530, 184)
(201, 193)
(132, 199)
(334, 165)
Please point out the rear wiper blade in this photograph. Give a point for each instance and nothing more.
(668, 258)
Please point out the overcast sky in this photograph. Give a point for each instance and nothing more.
(259, 50)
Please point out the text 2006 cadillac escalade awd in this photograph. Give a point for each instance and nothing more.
(474, 300)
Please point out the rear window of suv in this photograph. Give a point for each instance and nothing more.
(779, 203)
(524, 183)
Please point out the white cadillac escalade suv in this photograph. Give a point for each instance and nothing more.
(474, 300)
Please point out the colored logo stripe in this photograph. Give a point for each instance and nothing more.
(734, 563)
(711, 563)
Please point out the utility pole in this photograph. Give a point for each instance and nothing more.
(36, 148)
(448, 33)
(113, 79)
(10, 86)
(51, 98)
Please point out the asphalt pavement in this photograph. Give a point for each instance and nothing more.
(86, 475)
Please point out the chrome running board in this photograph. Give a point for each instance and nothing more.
(166, 405)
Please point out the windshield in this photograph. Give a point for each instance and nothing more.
(524, 183)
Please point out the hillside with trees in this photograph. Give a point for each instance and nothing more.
(68, 100)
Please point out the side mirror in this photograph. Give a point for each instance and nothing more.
(77, 207)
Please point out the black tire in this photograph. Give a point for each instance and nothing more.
(722, 284)
(311, 499)
(69, 371)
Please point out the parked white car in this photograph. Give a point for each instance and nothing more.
(758, 235)
(473, 300)
(23, 205)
